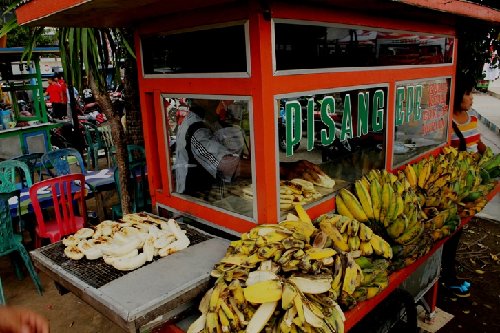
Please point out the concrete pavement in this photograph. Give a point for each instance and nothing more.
(487, 107)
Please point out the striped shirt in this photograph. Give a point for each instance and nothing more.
(470, 132)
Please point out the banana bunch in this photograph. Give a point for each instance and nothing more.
(407, 254)
(454, 177)
(490, 164)
(270, 302)
(375, 277)
(349, 235)
(383, 199)
(441, 223)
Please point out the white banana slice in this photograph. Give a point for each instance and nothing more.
(128, 264)
(120, 249)
(178, 245)
(177, 231)
(154, 230)
(110, 259)
(149, 248)
(84, 233)
(164, 226)
(90, 249)
(70, 240)
(132, 218)
(164, 240)
(73, 252)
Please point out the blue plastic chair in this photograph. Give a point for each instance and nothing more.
(59, 161)
(10, 242)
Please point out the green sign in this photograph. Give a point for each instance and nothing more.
(339, 116)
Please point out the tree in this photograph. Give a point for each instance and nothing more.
(90, 50)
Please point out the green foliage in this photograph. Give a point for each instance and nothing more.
(20, 34)
(90, 49)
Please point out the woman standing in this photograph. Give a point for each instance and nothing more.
(465, 137)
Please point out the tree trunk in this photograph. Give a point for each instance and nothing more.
(104, 101)
(133, 118)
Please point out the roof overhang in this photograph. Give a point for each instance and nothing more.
(123, 13)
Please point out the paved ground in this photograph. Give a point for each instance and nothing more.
(488, 109)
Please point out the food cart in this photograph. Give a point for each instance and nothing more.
(25, 127)
(357, 85)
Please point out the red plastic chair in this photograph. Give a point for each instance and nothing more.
(63, 200)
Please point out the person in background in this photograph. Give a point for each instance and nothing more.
(21, 320)
(465, 134)
(54, 92)
(465, 137)
(88, 96)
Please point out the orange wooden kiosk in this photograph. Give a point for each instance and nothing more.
(355, 84)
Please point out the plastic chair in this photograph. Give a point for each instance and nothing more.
(34, 163)
(9, 170)
(139, 192)
(95, 143)
(65, 221)
(107, 137)
(59, 161)
(10, 242)
(136, 153)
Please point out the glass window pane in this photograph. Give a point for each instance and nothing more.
(340, 131)
(421, 118)
(210, 154)
(216, 50)
(316, 46)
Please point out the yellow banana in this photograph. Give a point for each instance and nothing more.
(353, 205)
(337, 278)
(353, 242)
(341, 207)
(335, 235)
(364, 198)
(411, 175)
(366, 248)
(396, 229)
(365, 232)
(375, 194)
(387, 194)
(411, 234)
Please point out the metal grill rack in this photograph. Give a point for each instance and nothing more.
(97, 273)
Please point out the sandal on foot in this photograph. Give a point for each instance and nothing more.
(458, 290)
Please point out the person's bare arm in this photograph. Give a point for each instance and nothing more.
(481, 147)
(20, 320)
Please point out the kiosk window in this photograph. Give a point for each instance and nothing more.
(210, 151)
(300, 46)
(216, 50)
(421, 118)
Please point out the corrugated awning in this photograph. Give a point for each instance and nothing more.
(112, 13)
